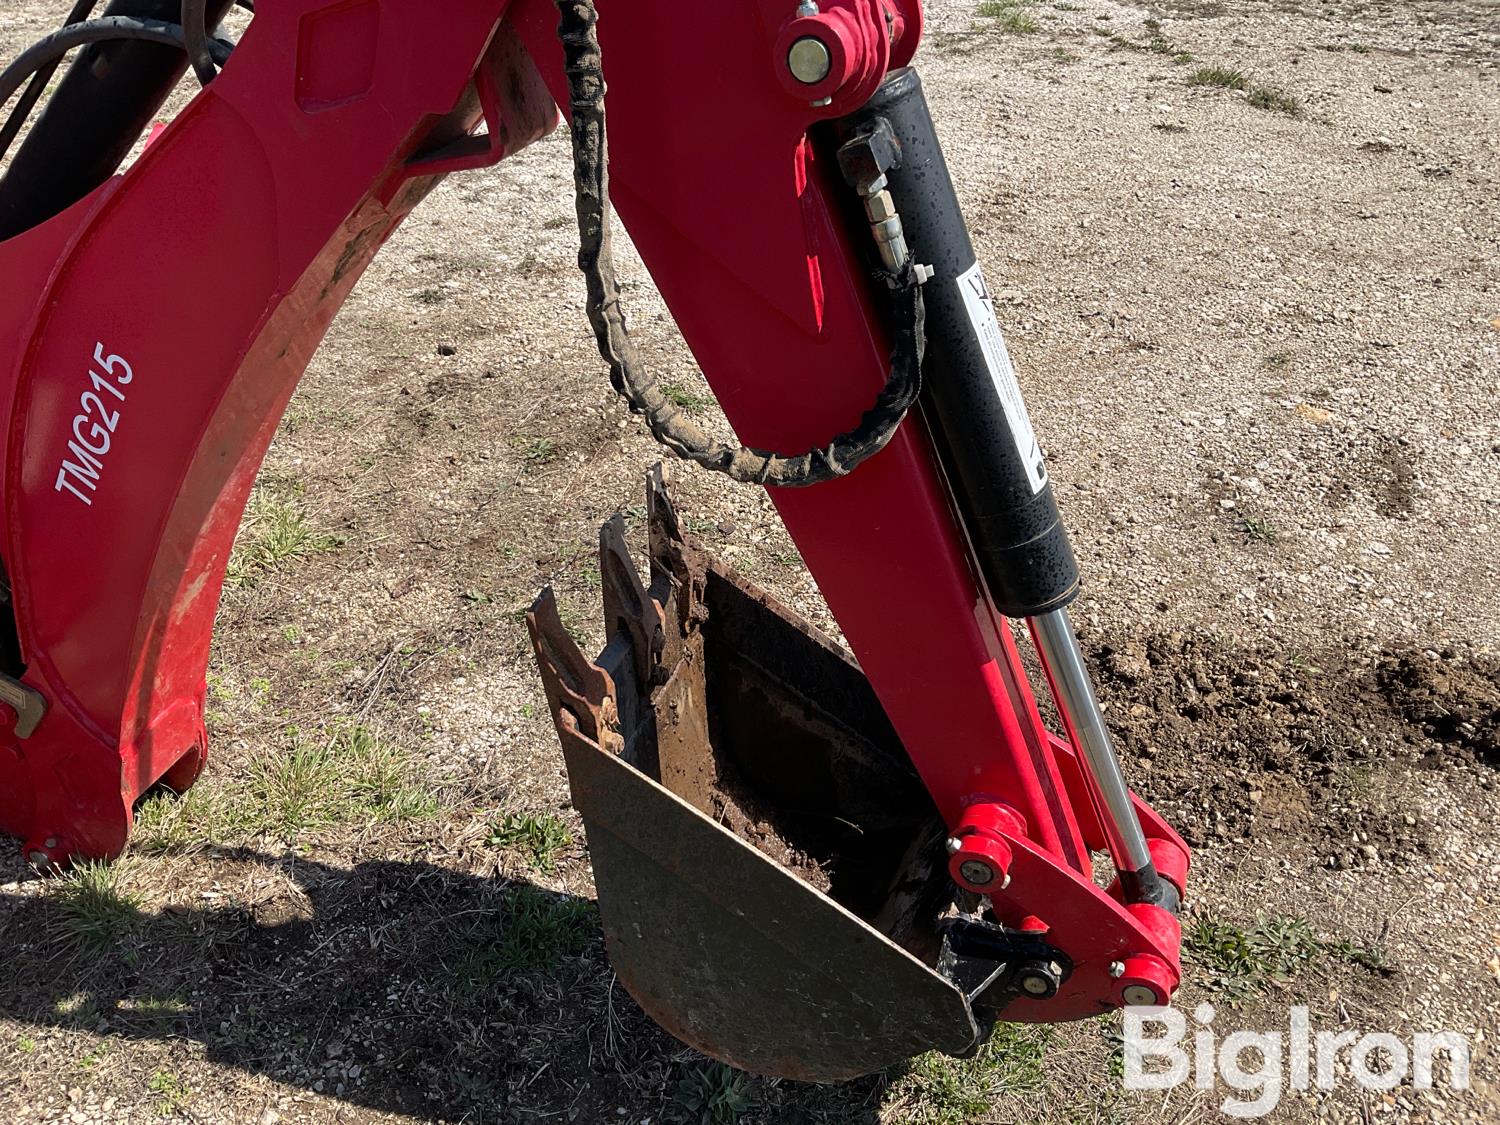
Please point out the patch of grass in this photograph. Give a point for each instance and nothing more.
(1157, 44)
(26, 1045)
(343, 776)
(95, 908)
(680, 396)
(534, 450)
(339, 775)
(1010, 16)
(539, 836)
(1224, 77)
(938, 1090)
(1260, 530)
(171, 1092)
(275, 532)
(430, 296)
(531, 932)
(167, 822)
(1243, 961)
(1278, 101)
(1359, 48)
(557, 222)
(716, 1092)
(1278, 361)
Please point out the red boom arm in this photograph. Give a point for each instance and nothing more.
(154, 332)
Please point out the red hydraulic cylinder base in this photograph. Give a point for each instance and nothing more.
(145, 363)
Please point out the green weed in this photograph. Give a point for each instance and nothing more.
(688, 400)
(535, 451)
(1243, 961)
(938, 1090)
(539, 836)
(531, 932)
(1010, 16)
(1268, 97)
(1260, 530)
(171, 1093)
(1225, 77)
(95, 909)
(275, 532)
(717, 1093)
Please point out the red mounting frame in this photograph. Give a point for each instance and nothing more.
(146, 363)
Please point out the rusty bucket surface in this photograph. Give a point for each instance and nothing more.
(764, 853)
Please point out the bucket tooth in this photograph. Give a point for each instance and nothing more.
(769, 867)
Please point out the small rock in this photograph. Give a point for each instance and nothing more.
(447, 349)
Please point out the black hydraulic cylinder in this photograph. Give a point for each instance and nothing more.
(98, 111)
(970, 395)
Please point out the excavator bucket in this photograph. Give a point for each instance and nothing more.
(770, 870)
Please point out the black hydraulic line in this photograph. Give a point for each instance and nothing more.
(103, 104)
(27, 102)
(669, 424)
(45, 52)
(195, 33)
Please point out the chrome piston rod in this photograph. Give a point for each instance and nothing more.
(1073, 690)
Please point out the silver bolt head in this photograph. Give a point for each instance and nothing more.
(1117, 969)
(809, 60)
(1140, 996)
(953, 844)
(977, 872)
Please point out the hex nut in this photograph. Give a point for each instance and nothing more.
(880, 207)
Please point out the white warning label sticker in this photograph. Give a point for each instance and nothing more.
(981, 307)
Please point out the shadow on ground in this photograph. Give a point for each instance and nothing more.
(398, 986)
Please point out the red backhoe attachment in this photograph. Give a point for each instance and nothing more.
(808, 864)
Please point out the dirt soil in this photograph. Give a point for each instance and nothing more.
(1263, 348)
